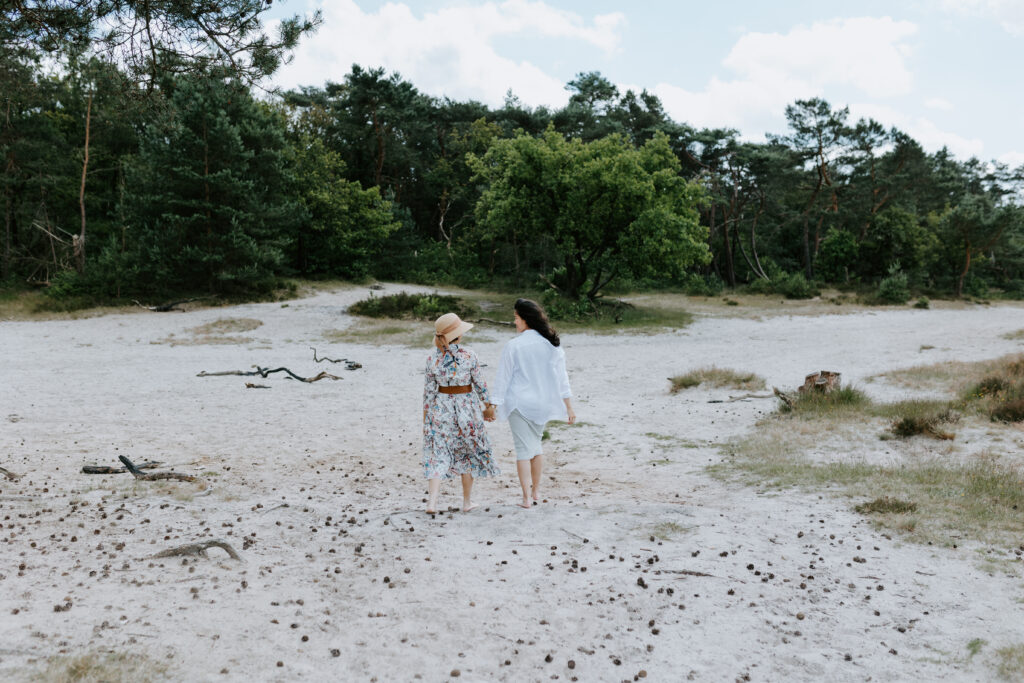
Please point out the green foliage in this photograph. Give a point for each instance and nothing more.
(413, 306)
(894, 288)
(344, 227)
(838, 256)
(922, 302)
(602, 208)
(209, 208)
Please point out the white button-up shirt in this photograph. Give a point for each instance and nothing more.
(532, 379)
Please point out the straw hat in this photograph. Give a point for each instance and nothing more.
(448, 327)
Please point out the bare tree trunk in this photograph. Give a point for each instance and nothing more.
(5, 271)
(963, 273)
(79, 244)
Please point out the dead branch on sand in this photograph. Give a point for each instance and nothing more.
(170, 305)
(107, 469)
(10, 475)
(494, 322)
(263, 372)
(250, 385)
(153, 476)
(199, 549)
(349, 364)
(785, 398)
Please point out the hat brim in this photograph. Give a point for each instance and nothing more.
(462, 329)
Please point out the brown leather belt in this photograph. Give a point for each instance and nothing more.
(456, 390)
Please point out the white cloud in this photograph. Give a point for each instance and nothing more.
(868, 53)
(1009, 13)
(772, 70)
(447, 52)
(1012, 159)
(925, 131)
(938, 103)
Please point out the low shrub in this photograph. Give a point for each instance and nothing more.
(894, 289)
(923, 302)
(1009, 411)
(412, 306)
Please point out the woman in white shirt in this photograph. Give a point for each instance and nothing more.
(532, 387)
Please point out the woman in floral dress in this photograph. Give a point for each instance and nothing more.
(454, 437)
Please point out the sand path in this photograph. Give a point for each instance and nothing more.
(638, 564)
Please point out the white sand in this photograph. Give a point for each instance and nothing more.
(326, 479)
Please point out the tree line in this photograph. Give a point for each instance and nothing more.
(160, 171)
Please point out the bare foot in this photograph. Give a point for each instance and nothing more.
(525, 504)
(470, 507)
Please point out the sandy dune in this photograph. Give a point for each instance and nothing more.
(639, 565)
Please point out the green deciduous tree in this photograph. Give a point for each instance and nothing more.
(606, 207)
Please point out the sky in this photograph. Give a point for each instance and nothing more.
(947, 72)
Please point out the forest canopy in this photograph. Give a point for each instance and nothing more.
(152, 163)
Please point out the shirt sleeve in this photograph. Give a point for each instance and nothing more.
(505, 368)
(477, 380)
(429, 386)
(564, 390)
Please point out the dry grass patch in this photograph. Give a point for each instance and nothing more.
(226, 326)
(414, 335)
(105, 667)
(981, 497)
(1017, 334)
(1011, 662)
(716, 377)
(886, 506)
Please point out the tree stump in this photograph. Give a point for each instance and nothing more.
(824, 382)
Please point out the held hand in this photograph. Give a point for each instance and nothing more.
(489, 414)
(572, 416)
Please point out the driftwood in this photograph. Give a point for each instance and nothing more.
(349, 364)
(153, 476)
(785, 398)
(171, 305)
(263, 372)
(10, 475)
(250, 385)
(199, 549)
(106, 469)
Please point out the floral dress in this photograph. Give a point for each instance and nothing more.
(454, 438)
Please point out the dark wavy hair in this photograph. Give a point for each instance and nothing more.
(536, 319)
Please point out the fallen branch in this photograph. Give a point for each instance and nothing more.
(10, 475)
(250, 385)
(153, 476)
(263, 372)
(783, 397)
(107, 469)
(495, 322)
(349, 364)
(170, 306)
(686, 572)
(199, 549)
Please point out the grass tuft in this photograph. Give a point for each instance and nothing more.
(1011, 662)
(886, 506)
(716, 377)
(844, 399)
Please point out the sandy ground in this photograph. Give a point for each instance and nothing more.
(638, 565)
